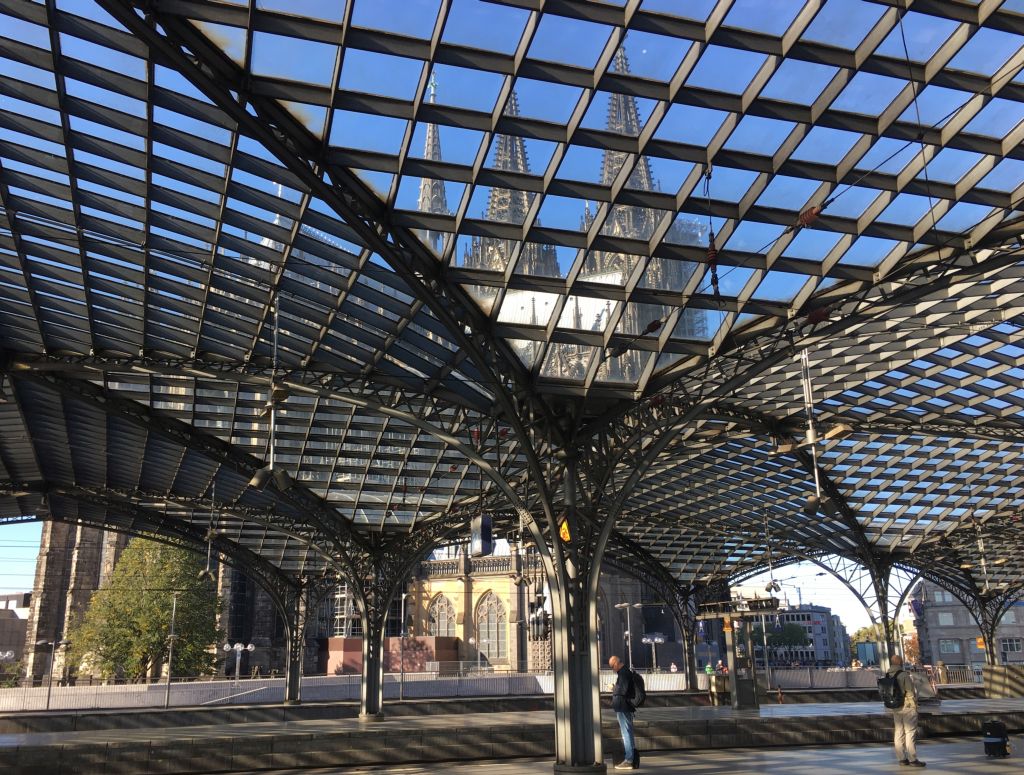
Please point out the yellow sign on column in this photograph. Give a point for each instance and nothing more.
(980, 643)
(563, 531)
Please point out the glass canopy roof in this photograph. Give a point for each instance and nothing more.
(596, 207)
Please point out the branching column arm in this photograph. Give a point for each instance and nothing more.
(375, 579)
(326, 519)
(156, 525)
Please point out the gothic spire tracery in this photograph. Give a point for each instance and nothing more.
(510, 206)
(432, 198)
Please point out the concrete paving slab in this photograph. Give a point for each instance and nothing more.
(955, 756)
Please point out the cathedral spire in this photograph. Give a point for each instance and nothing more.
(506, 205)
(624, 119)
(432, 197)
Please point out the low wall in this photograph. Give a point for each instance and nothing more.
(1003, 680)
(227, 749)
(80, 721)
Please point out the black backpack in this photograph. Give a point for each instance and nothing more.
(638, 695)
(890, 691)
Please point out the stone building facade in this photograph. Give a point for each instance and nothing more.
(947, 632)
(73, 562)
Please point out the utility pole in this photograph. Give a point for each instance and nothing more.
(170, 651)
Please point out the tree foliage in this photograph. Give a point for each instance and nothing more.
(870, 634)
(912, 649)
(124, 632)
(790, 636)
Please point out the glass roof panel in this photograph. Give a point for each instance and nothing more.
(465, 87)
(844, 23)
(417, 18)
(728, 70)
(372, 73)
(653, 56)
(868, 94)
(690, 124)
(997, 119)
(588, 39)
(759, 135)
(918, 36)
(769, 16)
(798, 82)
(484, 25)
(314, 9)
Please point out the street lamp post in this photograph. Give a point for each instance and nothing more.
(53, 644)
(238, 648)
(170, 651)
(401, 651)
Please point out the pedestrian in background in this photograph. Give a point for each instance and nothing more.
(624, 710)
(905, 717)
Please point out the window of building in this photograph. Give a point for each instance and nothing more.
(945, 619)
(1008, 645)
(441, 617)
(949, 646)
(1010, 617)
(942, 596)
(491, 625)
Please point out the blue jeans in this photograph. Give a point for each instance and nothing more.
(628, 741)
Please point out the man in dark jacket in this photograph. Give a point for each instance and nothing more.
(624, 711)
(905, 718)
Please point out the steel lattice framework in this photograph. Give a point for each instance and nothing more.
(568, 284)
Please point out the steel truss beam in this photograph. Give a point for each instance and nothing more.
(340, 534)
(180, 45)
(156, 525)
(331, 383)
(189, 505)
(880, 585)
(687, 400)
(432, 414)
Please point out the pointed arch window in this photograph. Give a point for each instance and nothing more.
(441, 617)
(492, 628)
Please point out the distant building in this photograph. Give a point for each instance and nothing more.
(14, 609)
(466, 612)
(828, 643)
(948, 633)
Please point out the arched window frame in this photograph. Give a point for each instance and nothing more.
(491, 628)
(441, 617)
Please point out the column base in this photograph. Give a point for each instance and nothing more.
(581, 769)
(372, 716)
(293, 702)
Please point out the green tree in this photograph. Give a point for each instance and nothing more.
(871, 634)
(124, 632)
(790, 636)
(10, 674)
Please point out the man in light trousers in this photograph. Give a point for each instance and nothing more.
(905, 718)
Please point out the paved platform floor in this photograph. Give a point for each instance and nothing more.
(956, 756)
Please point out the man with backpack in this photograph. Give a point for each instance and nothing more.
(622, 703)
(899, 695)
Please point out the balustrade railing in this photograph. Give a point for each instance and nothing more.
(485, 565)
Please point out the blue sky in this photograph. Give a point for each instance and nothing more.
(19, 546)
